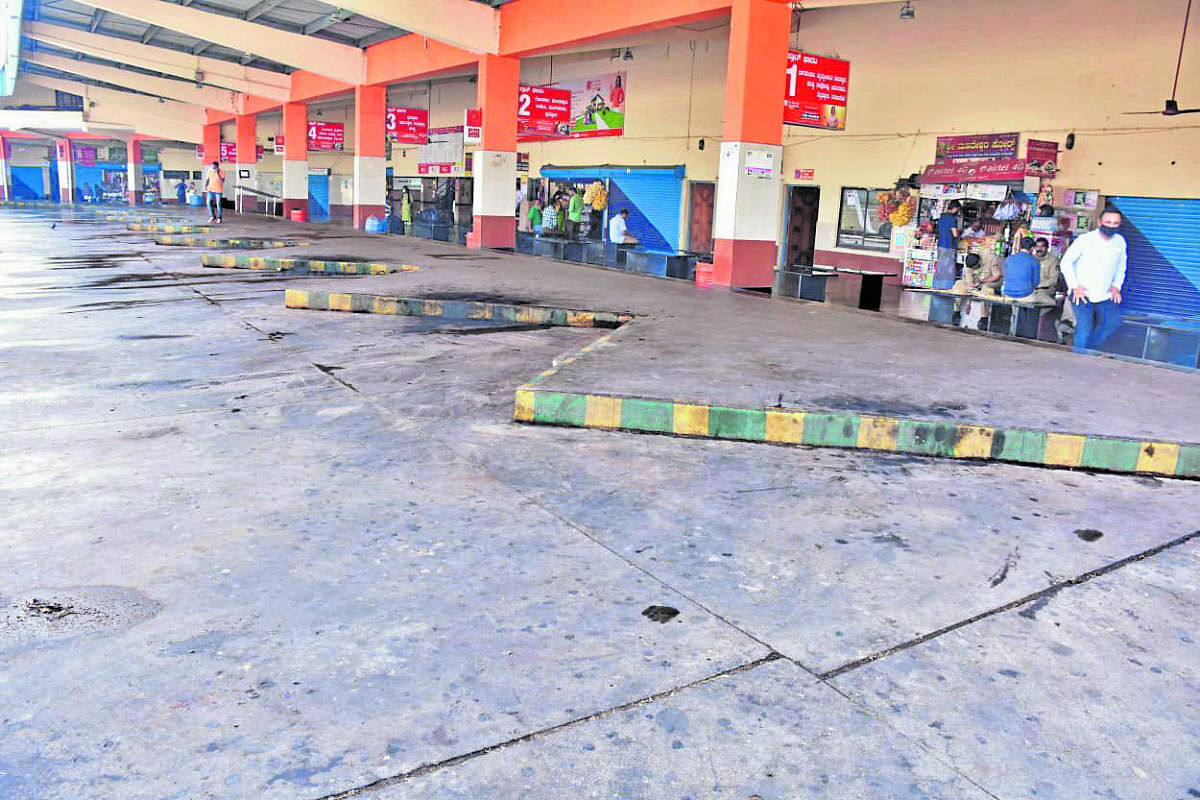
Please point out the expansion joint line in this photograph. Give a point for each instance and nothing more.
(1041, 595)
(434, 766)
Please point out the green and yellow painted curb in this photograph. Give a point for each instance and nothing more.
(452, 309)
(245, 244)
(154, 227)
(304, 265)
(830, 429)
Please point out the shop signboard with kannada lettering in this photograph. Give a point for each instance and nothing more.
(572, 109)
(816, 91)
(407, 125)
(976, 147)
(325, 136)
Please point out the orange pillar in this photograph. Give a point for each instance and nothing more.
(295, 157)
(66, 171)
(133, 162)
(370, 147)
(749, 205)
(494, 166)
(212, 143)
(246, 137)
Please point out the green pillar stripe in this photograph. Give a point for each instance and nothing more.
(833, 430)
(926, 438)
(556, 408)
(1120, 455)
(737, 423)
(653, 416)
(1027, 447)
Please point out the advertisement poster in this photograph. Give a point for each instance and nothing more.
(85, 155)
(976, 147)
(1004, 169)
(326, 136)
(1042, 157)
(443, 153)
(815, 92)
(574, 109)
(407, 125)
(473, 126)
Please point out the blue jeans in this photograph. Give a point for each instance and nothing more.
(213, 201)
(1094, 323)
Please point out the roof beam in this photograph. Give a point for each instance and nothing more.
(146, 115)
(247, 80)
(532, 26)
(462, 23)
(257, 10)
(209, 96)
(338, 61)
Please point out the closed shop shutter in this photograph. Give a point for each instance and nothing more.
(1163, 237)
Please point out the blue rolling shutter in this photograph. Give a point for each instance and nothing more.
(318, 198)
(1163, 237)
(653, 195)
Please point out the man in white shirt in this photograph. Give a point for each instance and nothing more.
(618, 230)
(1094, 268)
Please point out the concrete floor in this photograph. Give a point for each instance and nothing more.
(262, 553)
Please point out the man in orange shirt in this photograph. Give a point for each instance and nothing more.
(214, 187)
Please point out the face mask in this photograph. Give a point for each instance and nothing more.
(1109, 230)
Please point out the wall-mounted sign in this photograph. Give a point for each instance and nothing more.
(1003, 169)
(407, 125)
(806, 174)
(85, 154)
(473, 126)
(1042, 157)
(443, 155)
(522, 162)
(279, 145)
(229, 152)
(976, 147)
(326, 136)
(575, 109)
(760, 162)
(815, 91)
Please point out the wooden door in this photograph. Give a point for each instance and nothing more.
(700, 223)
(803, 202)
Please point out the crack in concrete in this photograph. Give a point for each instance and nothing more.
(1036, 601)
(425, 769)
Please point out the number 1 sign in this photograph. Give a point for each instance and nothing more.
(816, 91)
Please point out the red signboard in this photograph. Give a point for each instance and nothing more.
(229, 152)
(806, 174)
(1042, 157)
(815, 91)
(473, 126)
(1001, 169)
(966, 148)
(407, 125)
(543, 113)
(85, 155)
(326, 136)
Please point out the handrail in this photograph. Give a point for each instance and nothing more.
(273, 200)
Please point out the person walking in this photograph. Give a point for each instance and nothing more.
(1094, 268)
(946, 271)
(181, 193)
(214, 187)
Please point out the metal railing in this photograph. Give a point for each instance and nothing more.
(272, 200)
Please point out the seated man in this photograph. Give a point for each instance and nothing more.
(618, 231)
(981, 274)
(1022, 272)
